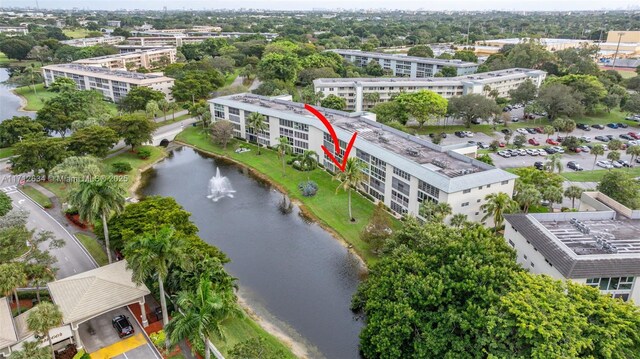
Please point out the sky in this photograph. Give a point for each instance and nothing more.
(519, 5)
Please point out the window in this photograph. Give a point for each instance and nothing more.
(532, 265)
(525, 256)
(478, 201)
(401, 173)
(466, 191)
(400, 186)
(480, 187)
(504, 182)
(512, 244)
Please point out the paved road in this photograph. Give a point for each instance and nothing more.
(170, 117)
(72, 258)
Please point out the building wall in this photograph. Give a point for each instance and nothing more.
(131, 61)
(405, 68)
(627, 36)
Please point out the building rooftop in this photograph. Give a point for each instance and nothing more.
(424, 60)
(444, 81)
(126, 54)
(82, 40)
(465, 171)
(8, 335)
(606, 236)
(117, 75)
(544, 41)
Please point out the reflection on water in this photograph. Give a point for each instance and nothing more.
(9, 102)
(292, 268)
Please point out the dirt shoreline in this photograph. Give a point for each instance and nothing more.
(23, 102)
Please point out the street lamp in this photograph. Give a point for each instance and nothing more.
(615, 56)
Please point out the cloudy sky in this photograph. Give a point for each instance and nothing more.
(307, 4)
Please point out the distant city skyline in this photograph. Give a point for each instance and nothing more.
(474, 5)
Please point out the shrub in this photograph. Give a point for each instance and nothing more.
(308, 188)
(158, 338)
(5, 204)
(123, 167)
(144, 153)
(71, 211)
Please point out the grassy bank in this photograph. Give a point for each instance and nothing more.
(239, 330)
(95, 249)
(596, 175)
(76, 33)
(7, 152)
(329, 207)
(39, 197)
(35, 101)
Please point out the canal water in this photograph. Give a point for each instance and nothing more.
(290, 271)
(9, 102)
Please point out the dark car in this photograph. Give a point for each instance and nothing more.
(612, 125)
(583, 126)
(442, 135)
(460, 134)
(506, 131)
(574, 166)
(610, 137)
(539, 165)
(550, 150)
(122, 326)
(598, 126)
(622, 125)
(531, 130)
(626, 137)
(602, 138)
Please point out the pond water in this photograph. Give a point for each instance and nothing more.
(290, 271)
(9, 102)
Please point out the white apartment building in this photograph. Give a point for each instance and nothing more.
(113, 84)
(406, 66)
(355, 90)
(162, 38)
(114, 23)
(402, 170)
(92, 41)
(148, 59)
(598, 246)
(14, 30)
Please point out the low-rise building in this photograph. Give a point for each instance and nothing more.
(355, 90)
(148, 59)
(14, 30)
(489, 47)
(598, 246)
(406, 66)
(113, 84)
(114, 23)
(402, 170)
(92, 41)
(156, 38)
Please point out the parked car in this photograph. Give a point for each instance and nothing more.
(522, 131)
(460, 134)
(616, 164)
(574, 166)
(635, 118)
(515, 119)
(550, 150)
(622, 125)
(585, 149)
(612, 125)
(583, 126)
(626, 137)
(602, 138)
(122, 326)
(586, 139)
(532, 152)
(504, 154)
(506, 131)
(533, 141)
(539, 130)
(539, 165)
(634, 135)
(468, 133)
(610, 137)
(633, 143)
(604, 164)
(558, 149)
(531, 130)
(551, 141)
(598, 126)
(482, 145)
(624, 163)
(501, 144)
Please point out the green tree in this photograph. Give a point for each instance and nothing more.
(471, 107)
(151, 109)
(222, 132)
(59, 112)
(434, 212)
(572, 192)
(371, 98)
(138, 97)
(458, 220)
(387, 112)
(421, 51)
(611, 101)
(15, 48)
(590, 89)
(44, 317)
(352, 177)
(621, 187)
(466, 55)
(548, 130)
(38, 153)
(31, 350)
(282, 148)
(98, 199)
(634, 152)
(258, 125)
(279, 66)
(559, 99)
(5, 204)
(14, 129)
(597, 150)
(423, 105)
(485, 158)
(524, 93)
(554, 162)
(308, 160)
(93, 140)
(378, 229)
(196, 85)
(78, 167)
(632, 103)
(496, 205)
(334, 102)
(527, 196)
(12, 277)
(135, 129)
(613, 155)
(448, 71)
(202, 313)
(519, 140)
(62, 84)
(152, 254)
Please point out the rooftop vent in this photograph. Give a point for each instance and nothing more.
(412, 152)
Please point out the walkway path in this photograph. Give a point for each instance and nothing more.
(170, 117)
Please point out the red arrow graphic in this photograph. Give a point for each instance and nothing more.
(332, 132)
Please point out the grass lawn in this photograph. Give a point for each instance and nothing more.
(6, 152)
(34, 101)
(330, 208)
(95, 249)
(596, 175)
(76, 33)
(39, 197)
(239, 330)
(627, 74)
(229, 78)
(4, 59)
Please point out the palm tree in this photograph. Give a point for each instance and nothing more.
(151, 108)
(553, 163)
(350, 178)
(31, 350)
(573, 192)
(201, 314)
(173, 106)
(12, 277)
(458, 220)
(434, 212)
(308, 161)
(283, 147)
(256, 122)
(613, 156)
(634, 152)
(44, 317)
(615, 145)
(164, 106)
(548, 130)
(155, 253)
(527, 196)
(371, 98)
(496, 205)
(596, 151)
(98, 198)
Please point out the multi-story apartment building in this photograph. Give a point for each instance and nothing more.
(148, 59)
(598, 246)
(113, 84)
(489, 47)
(155, 38)
(406, 66)
(402, 170)
(14, 30)
(92, 41)
(114, 23)
(355, 90)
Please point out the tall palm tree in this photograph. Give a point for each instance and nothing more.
(573, 192)
(527, 196)
(98, 198)
(554, 162)
(12, 277)
(173, 106)
(434, 212)
(151, 108)
(256, 122)
(548, 130)
(155, 253)
(44, 317)
(596, 151)
(496, 205)
(634, 152)
(163, 105)
(458, 220)
(350, 178)
(371, 98)
(613, 156)
(283, 147)
(201, 314)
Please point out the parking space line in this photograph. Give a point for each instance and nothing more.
(120, 347)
